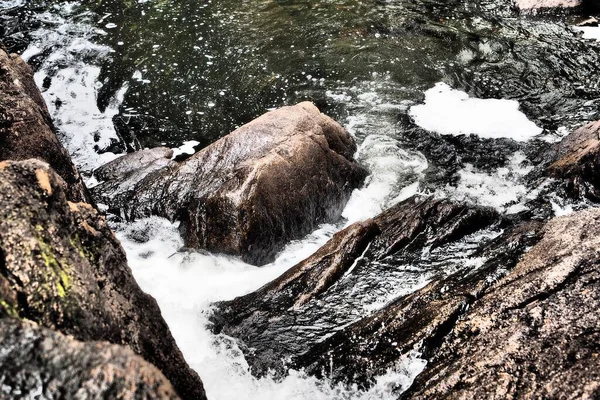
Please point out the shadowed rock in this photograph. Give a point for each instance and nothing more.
(359, 270)
(37, 362)
(577, 162)
(26, 130)
(416, 322)
(270, 181)
(535, 333)
(62, 267)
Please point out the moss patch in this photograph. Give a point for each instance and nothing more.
(56, 268)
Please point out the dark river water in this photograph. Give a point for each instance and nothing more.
(195, 70)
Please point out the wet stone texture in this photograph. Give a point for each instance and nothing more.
(270, 181)
(575, 162)
(36, 362)
(62, 267)
(360, 270)
(535, 332)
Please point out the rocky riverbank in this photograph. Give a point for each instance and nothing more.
(63, 272)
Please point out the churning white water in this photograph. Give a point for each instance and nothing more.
(186, 284)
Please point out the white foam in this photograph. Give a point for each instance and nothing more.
(452, 112)
(501, 189)
(185, 148)
(392, 171)
(589, 32)
(185, 285)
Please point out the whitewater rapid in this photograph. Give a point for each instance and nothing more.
(185, 284)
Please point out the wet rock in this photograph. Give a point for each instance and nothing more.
(270, 181)
(535, 332)
(62, 267)
(26, 130)
(122, 174)
(358, 271)
(36, 361)
(416, 322)
(576, 162)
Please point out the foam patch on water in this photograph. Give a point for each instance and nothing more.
(452, 112)
(589, 32)
(186, 148)
(501, 189)
(185, 285)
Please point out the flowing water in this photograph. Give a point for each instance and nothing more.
(120, 75)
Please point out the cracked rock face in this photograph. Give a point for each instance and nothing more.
(270, 181)
(62, 267)
(26, 130)
(533, 334)
(36, 362)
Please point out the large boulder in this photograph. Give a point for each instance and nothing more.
(36, 362)
(26, 130)
(359, 271)
(270, 181)
(62, 267)
(535, 333)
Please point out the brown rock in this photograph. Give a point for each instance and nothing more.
(62, 267)
(26, 130)
(577, 162)
(540, 4)
(36, 362)
(535, 333)
(270, 181)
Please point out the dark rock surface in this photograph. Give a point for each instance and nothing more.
(62, 267)
(576, 162)
(359, 268)
(535, 333)
(370, 347)
(270, 181)
(26, 130)
(121, 175)
(36, 362)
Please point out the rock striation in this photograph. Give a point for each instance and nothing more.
(289, 317)
(535, 332)
(270, 181)
(62, 267)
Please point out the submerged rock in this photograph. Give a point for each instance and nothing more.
(62, 267)
(26, 130)
(36, 362)
(358, 271)
(270, 181)
(535, 333)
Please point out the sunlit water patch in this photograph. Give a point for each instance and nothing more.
(69, 79)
